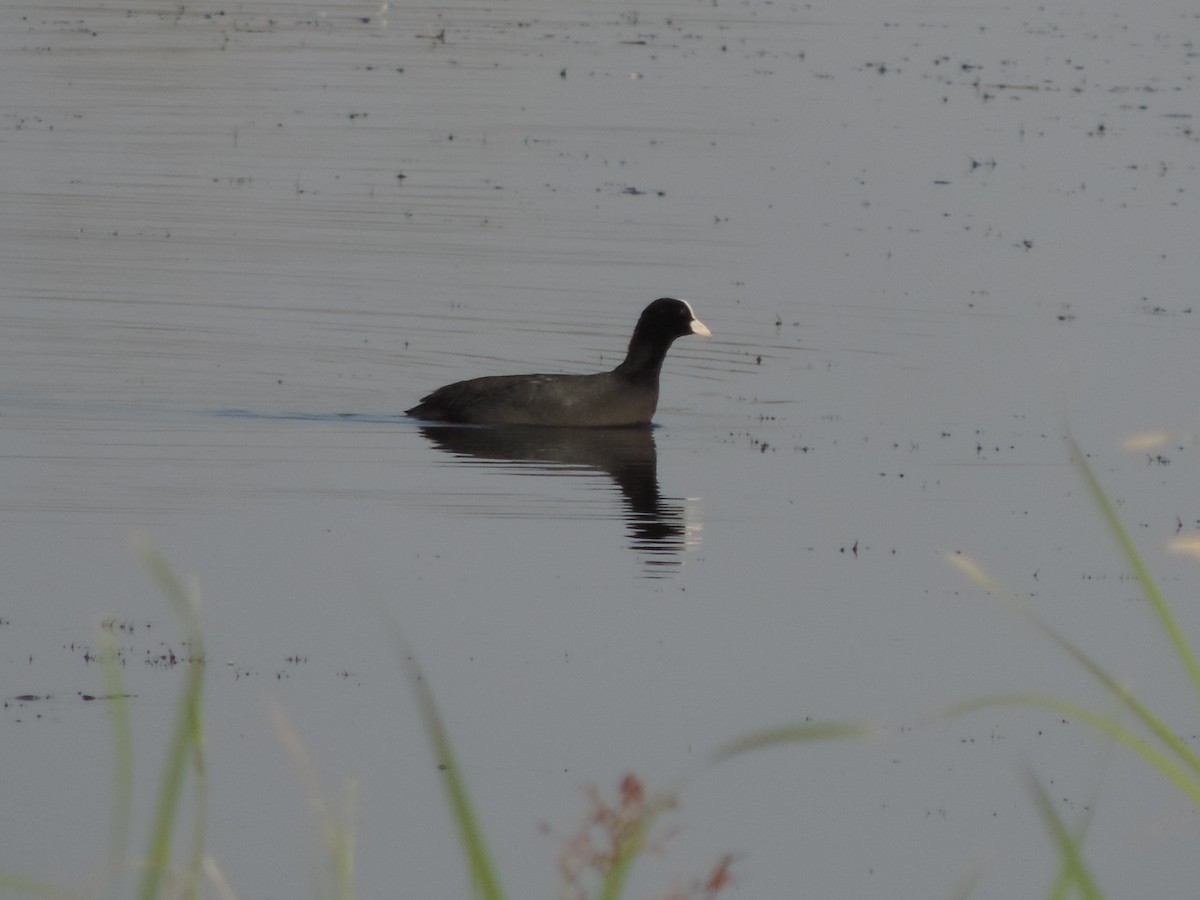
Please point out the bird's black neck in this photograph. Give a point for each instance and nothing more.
(644, 360)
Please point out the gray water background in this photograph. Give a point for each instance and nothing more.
(239, 239)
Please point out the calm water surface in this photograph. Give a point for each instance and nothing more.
(929, 239)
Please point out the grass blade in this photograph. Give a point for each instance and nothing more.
(1163, 610)
(122, 738)
(484, 880)
(791, 734)
(625, 855)
(1118, 690)
(1068, 847)
(186, 740)
(1109, 725)
(483, 875)
(336, 829)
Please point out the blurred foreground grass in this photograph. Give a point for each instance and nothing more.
(596, 859)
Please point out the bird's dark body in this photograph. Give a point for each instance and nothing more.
(628, 395)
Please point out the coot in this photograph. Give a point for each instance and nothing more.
(628, 395)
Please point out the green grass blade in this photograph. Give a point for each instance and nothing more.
(626, 854)
(122, 738)
(630, 842)
(470, 834)
(1181, 777)
(1118, 690)
(791, 734)
(484, 879)
(1064, 882)
(1068, 847)
(1126, 697)
(186, 740)
(336, 829)
(1163, 610)
(200, 776)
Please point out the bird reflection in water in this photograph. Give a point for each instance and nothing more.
(658, 529)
